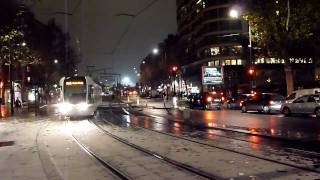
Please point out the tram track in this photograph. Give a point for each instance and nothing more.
(225, 136)
(115, 171)
(160, 157)
(305, 168)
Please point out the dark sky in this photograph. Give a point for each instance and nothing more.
(96, 31)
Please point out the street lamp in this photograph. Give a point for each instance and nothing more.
(56, 61)
(155, 51)
(233, 13)
(126, 81)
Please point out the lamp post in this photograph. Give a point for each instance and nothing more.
(233, 13)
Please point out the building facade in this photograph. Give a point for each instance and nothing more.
(210, 37)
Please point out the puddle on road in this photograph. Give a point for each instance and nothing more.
(6, 143)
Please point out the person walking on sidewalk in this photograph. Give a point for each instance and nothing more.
(18, 104)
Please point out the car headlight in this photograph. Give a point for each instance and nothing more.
(82, 106)
(65, 108)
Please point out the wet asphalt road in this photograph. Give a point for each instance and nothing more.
(303, 152)
(306, 128)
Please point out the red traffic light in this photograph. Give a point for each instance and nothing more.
(251, 71)
(174, 68)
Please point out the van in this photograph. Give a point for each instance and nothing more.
(298, 93)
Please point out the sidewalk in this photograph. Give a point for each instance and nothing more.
(25, 112)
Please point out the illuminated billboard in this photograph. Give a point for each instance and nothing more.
(212, 75)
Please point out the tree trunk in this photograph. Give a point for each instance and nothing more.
(24, 84)
(4, 83)
(289, 78)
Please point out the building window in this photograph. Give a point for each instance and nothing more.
(227, 62)
(239, 62)
(214, 51)
(233, 62)
(217, 63)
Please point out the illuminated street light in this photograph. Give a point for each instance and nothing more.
(155, 51)
(143, 62)
(56, 61)
(126, 80)
(234, 13)
(24, 44)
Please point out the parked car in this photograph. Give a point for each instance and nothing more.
(307, 104)
(263, 102)
(298, 93)
(209, 100)
(236, 102)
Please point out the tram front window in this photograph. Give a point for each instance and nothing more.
(75, 94)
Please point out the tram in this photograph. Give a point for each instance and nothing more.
(80, 96)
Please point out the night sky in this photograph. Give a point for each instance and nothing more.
(96, 31)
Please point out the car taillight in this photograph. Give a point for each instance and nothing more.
(272, 102)
(209, 99)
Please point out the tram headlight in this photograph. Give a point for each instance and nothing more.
(65, 108)
(82, 106)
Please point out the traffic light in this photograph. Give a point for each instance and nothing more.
(174, 69)
(251, 71)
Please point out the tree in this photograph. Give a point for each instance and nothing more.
(283, 28)
(14, 50)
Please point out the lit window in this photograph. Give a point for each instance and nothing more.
(234, 62)
(217, 63)
(239, 62)
(214, 51)
(227, 62)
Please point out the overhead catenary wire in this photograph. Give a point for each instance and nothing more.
(127, 28)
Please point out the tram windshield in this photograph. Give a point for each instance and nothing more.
(75, 94)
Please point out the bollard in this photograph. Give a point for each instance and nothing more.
(128, 99)
(175, 102)
(138, 101)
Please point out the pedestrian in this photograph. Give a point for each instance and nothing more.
(18, 104)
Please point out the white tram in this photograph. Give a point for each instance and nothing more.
(80, 96)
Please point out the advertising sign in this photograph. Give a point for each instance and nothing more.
(212, 75)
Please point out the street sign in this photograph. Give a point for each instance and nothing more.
(212, 75)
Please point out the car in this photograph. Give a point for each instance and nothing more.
(236, 102)
(307, 104)
(263, 102)
(298, 93)
(208, 100)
